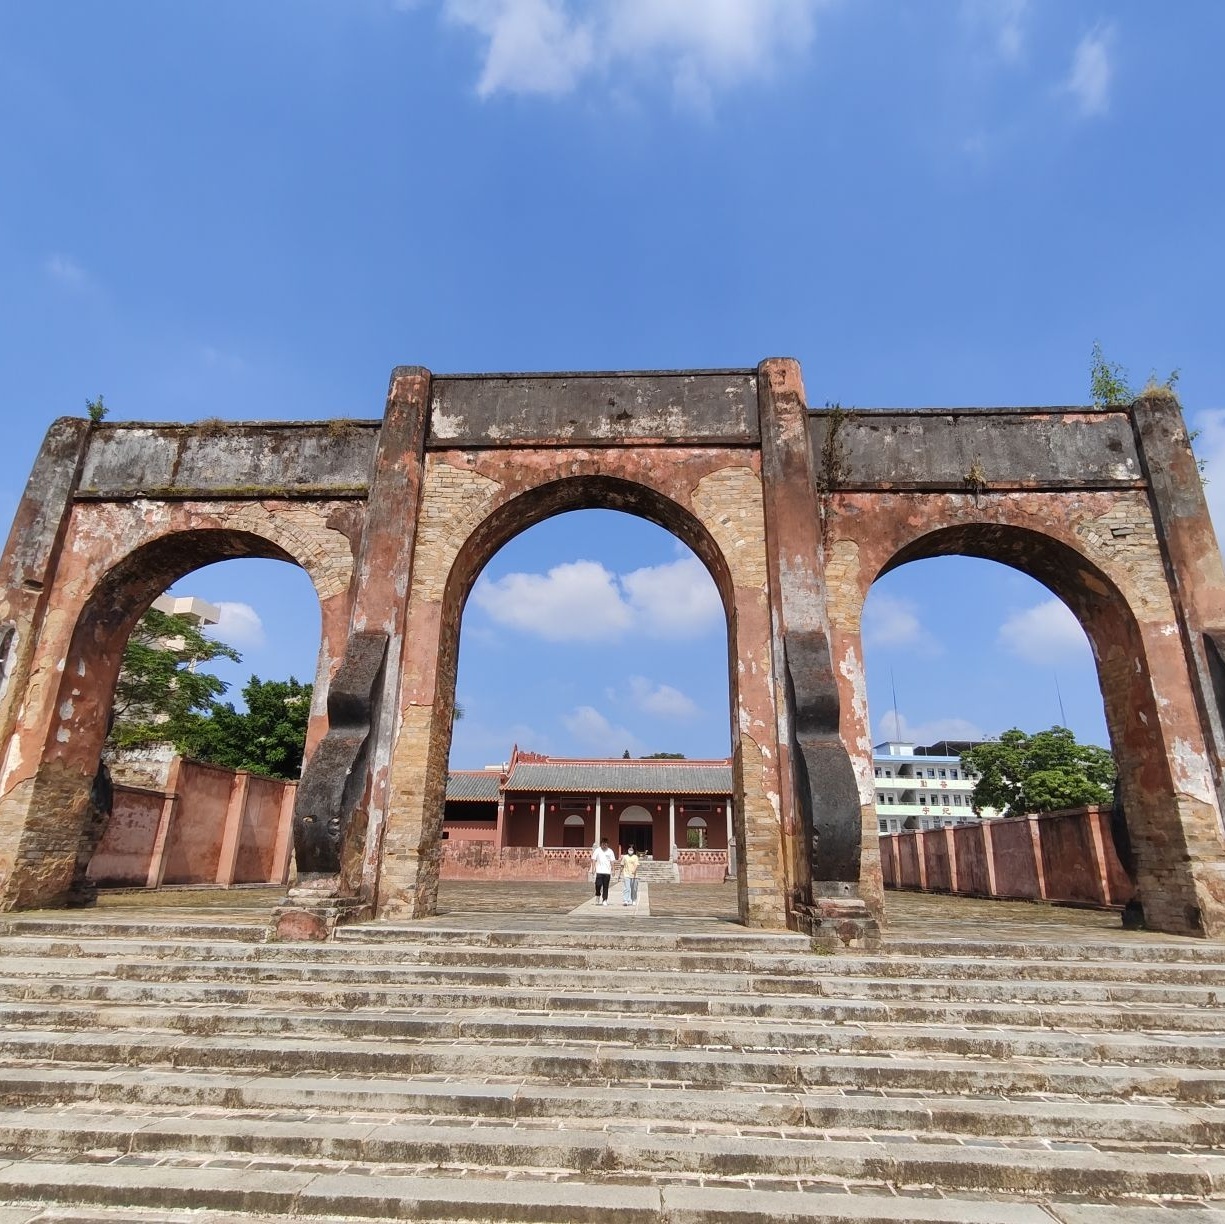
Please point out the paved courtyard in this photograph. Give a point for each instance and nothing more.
(908, 916)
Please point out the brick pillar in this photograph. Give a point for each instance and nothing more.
(920, 842)
(1193, 557)
(282, 849)
(989, 854)
(499, 834)
(27, 710)
(365, 720)
(1181, 871)
(826, 809)
(1035, 840)
(1097, 839)
(231, 836)
(950, 842)
(161, 839)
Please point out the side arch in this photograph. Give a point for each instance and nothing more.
(1164, 778)
(78, 656)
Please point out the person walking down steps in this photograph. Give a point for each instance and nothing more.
(629, 877)
(602, 859)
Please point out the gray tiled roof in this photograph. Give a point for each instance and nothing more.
(475, 785)
(621, 777)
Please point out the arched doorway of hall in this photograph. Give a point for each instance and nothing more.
(70, 795)
(1035, 643)
(593, 693)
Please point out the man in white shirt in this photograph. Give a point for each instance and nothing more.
(602, 859)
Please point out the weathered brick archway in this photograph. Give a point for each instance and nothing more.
(795, 514)
(708, 499)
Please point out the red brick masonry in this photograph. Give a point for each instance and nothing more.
(1056, 856)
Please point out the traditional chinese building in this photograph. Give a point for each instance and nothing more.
(668, 810)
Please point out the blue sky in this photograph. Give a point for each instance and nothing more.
(253, 210)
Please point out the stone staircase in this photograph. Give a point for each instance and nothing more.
(658, 871)
(659, 1073)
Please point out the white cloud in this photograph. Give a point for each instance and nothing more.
(661, 700)
(1089, 80)
(930, 732)
(592, 731)
(239, 625)
(676, 599)
(65, 271)
(550, 46)
(890, 621)
(578, 601)
(1003, 22)
(532, 46)
(581, 601)
(1047, 633)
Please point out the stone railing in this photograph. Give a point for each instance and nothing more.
(701, 866)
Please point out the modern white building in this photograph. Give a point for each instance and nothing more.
(924, 786)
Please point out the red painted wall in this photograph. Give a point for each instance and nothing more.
(1072, 868)
(126, 850)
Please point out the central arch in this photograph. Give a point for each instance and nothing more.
(493, 518)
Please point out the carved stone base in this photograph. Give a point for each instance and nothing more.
(834, 923)
(313, 909)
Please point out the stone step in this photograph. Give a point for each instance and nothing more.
(827, 985)
(1140, 949)
(821, 1205)
(599, 1065)
(723, 998)
(156, 932)
(1137, 948)
(320, 1194)
(850, 1110)
(784, 960)
(623, 1148)
(607, 1026)
(722, 995)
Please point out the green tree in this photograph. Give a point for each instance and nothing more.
(1020, 773)
(664, 756)
(160, 688)
(268, 737)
